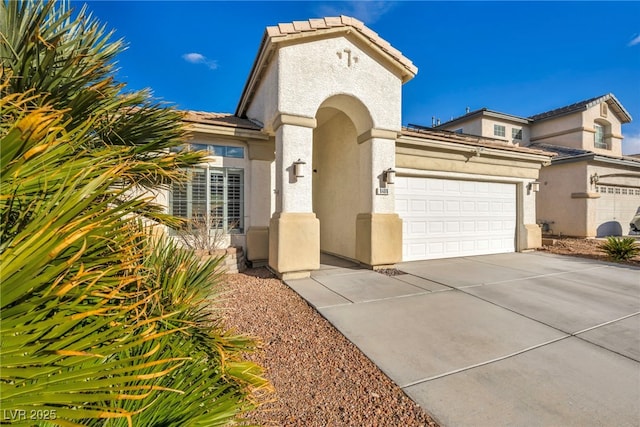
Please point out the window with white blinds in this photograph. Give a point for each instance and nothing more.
(214, 195)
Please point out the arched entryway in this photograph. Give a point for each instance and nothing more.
(341, 182)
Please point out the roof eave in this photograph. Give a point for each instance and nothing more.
(488, 113)
(622, 113)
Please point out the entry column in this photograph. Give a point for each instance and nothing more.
(294, 230)
(378, 227)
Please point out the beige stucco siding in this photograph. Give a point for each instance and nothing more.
(556, 206)
(613, 132)
(311, 73)
(576, 130)
(336, 195)
(488, 130)
(564, 130)
(472, 126)
(447, 161)
(264, 105)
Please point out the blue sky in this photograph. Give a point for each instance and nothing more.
(520, 58)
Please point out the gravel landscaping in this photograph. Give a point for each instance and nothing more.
(586, 248)
(320, 378)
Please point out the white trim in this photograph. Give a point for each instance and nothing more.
(459, 175)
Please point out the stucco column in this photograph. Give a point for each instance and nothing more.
(529, 232)
(294, 230)
(262, 157)
(378, 227)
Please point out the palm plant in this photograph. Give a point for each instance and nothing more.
(99, 324)
(620, 249)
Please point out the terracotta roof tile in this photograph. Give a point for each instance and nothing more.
(273, 31)
(333, 21)
(302, 26)
(219, 119)
(357, 24)
(284, 29)
(287, 28)
(317, 23)
(370, 33)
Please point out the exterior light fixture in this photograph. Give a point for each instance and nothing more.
(594, 178)
(297, 168)
(534, 186)
(389, 176)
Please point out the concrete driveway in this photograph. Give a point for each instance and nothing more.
(514, 339)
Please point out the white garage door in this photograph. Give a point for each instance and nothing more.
(443, 218)
(615, 209)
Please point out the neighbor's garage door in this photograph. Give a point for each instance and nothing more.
(444, 218)
(615, 209)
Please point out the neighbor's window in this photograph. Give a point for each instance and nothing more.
(215, 195)
(498, 130)
(516, 133)
(598, 138)
(459, 130)
(227, 151)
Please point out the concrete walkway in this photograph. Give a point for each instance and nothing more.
(512, 339)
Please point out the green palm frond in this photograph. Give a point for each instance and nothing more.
(69, 61)
(99, 322)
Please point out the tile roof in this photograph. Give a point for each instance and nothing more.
(315, 25)
(487, 112)
(478, 141)
(561, 152)
(219, 119)
(567, 152)
(583, 105)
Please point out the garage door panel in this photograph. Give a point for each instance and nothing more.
(447, 218)
(615, 208)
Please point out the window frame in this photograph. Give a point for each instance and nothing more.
(503, 130)
(516, 133)
(227, 220)
(599, 140)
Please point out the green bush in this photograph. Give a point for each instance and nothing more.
(620, 249)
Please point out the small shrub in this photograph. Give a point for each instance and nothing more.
(620, 249)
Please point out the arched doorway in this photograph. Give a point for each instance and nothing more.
(341, 187)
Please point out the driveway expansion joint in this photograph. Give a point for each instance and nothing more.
(488, 362)
(534, 347)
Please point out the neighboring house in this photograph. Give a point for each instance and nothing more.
(315, 159)
(590, 189)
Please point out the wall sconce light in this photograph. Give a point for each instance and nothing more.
(594, 178)
(389, 176)
(297, 168)
(534, 186)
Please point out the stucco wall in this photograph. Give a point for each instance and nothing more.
(302, 76)
(488, 130)
(450, 161)
(315, 71)
(264, 106)
(473, 126)
(613, 132)
(336, 184)
(564, 130)
(576, 130)
(565, 214)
